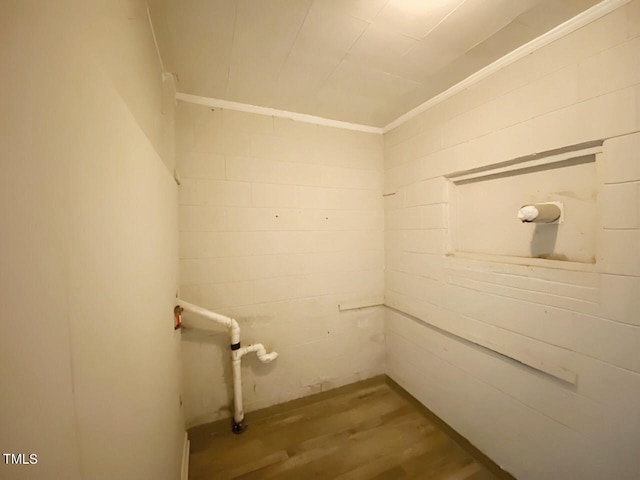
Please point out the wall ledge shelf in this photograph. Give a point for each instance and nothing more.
(529, 357)
(526, 261)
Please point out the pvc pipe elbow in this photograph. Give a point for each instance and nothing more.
(261, 352)
(268, 357)
(234, 331)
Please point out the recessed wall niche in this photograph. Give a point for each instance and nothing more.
(484, 205)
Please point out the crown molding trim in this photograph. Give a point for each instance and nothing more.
(300, 117)
(597, 11)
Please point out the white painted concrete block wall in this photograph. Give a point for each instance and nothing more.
(583, 87)
(280, 221)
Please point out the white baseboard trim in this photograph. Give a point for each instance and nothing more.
(184, 471)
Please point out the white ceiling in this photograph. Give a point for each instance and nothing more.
(360, 61)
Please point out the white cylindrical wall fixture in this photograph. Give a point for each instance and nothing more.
(540, 213)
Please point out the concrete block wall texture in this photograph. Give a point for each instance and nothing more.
(89, 360)
(583, 87)
(280, 222)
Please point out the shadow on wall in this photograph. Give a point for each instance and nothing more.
(258, 368)
(217, 342)
(213, 369)
(543, 242)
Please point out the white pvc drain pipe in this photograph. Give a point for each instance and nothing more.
(237, 352)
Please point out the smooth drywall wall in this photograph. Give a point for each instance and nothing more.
(89, 360)
(280, 223)
(581, 88)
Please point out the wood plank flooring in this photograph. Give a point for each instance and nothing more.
(369, 430)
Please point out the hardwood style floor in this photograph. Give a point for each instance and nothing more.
(369, 430)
